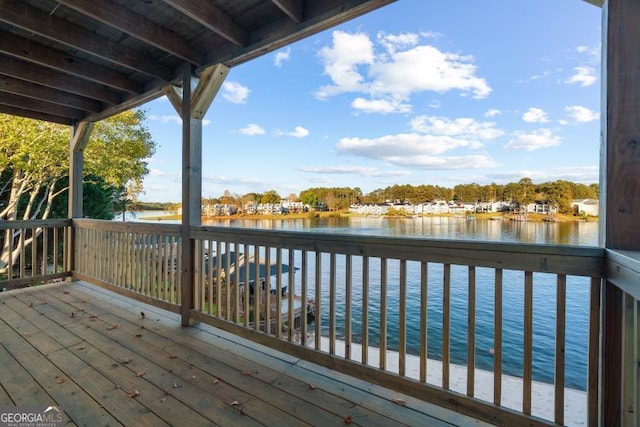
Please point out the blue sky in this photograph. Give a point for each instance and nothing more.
(417, 92)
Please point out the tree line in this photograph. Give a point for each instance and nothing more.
(559, 193)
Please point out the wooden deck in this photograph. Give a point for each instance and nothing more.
(108, 360)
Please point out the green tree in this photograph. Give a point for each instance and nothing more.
(34, 162)
(270, 197)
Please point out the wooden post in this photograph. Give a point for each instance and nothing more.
(80, 133)
(620, 179)
(192, 108)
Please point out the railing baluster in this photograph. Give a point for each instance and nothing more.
(267, 295)
(365, 310)
(318, 290)
(424, 354)
(45, 247)
(245, 288)
(257, 287)
(347, 308)
(332, 303)
(471, 333)
(446, 324)
(303, 298)
(23, 258)
(278, 308)
(561, 308)
(402, 320)
(290, 295)
(528, 343)
(383, 313)
(219, 302)
(629, 361)
(497, 339)
(34, 253)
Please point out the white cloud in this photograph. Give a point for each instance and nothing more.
(298, 132)
(461, 127)
(352, 169)
(382, 106)
(252, 129)
(168, 118)
(530, 141)
(535, 115)
(235, 92)
(398, 67)
(581, 114)
(341, 62)
(281, 56)
(413, 149)
(584, 76)
(492, 112)
(393, 42)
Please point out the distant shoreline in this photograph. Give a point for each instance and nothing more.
(310, 215)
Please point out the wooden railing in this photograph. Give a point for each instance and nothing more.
(33, 252)
(373, 299)
(140, 260)
(487, 329)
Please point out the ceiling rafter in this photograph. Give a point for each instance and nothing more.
(31, 90)
(207, 14)
(293, 9)
(136, 26)
(39, 105)
(59, 30)
(45, 56)
(57, 80)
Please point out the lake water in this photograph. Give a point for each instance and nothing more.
(544, 297)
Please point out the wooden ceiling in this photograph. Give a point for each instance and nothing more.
(67, 61)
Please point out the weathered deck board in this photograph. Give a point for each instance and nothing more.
(102, 346)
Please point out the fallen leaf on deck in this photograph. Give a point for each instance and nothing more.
(173, 356)
(399, 401)
(235, 403)
(140, 374)
(114, 326)
(30, 304)
(216, 381)
(45, 302)
(312, 387)
(175, 385)
(93, 317)
(163, 399)
(138, 335)
(66, 292)
(81, 347)
(126, 360)
(61, 380)
(142, 314)
(347, 420)
(73, 314)
(133, 393)
(246, 372)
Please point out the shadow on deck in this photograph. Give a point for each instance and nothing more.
(108, 360)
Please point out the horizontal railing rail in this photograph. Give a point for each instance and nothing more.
(414, 313)
(33, 252)
(142, 261)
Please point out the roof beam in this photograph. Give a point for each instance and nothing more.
(135, 25)
(45, 56)
(207, 14)
(207, 88)
(59, 30)
(36, 115)
(56, 79)
(293, 9)
(41, 106)
(31, 90)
